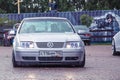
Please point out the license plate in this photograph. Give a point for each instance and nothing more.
(50, 53)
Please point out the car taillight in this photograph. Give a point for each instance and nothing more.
(87, 34)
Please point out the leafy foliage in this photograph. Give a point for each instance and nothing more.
(7, 6)
(6, 22)
(86, 20)
(2, 20)
(26, 6)
(2, 11)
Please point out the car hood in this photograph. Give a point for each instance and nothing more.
(83, 31)
(56, 37)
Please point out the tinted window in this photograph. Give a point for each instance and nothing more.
(45, 26)
(81, 27)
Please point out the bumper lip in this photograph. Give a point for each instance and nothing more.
(51, 63)
(35, 53)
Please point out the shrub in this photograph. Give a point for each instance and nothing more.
(6, 22)
(86, 20)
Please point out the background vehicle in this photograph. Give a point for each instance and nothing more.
(47, 40)
(116, 44)
(10, 34)
(104, 27)
(84, 33)
(15, 27)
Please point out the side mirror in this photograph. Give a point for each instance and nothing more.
(79, 32)
(12, 32)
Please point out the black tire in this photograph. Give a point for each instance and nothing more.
(114, 48)
(85, 42)
(15, 63)
(88, 42)
(82, 64)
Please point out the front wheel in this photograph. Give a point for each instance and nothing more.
(14, 62)
(114, 48)
(82, 63)
(88, 42)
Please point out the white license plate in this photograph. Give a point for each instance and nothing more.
(50, 53)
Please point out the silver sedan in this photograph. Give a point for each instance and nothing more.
(116, 44)
(47, 41)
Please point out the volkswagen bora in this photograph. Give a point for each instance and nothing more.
(47, 41)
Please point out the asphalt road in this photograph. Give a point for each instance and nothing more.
(100, 65)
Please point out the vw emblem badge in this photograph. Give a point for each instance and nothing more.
(50, 44)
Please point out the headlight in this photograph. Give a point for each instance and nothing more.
(26, 44)
(73, 45)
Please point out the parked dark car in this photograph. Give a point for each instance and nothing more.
(84, 33)
(9, 35)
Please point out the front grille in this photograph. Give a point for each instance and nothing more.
(71, 58)
(49, 58)
(29, 58)
(55, 44)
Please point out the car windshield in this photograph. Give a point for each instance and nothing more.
(45, 26)
(81, 27)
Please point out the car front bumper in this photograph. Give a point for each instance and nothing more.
(34, 56)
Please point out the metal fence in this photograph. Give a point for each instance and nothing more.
(74, 17)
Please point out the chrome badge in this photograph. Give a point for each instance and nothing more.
(50, 44)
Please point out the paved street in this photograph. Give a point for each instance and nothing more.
(100, 65)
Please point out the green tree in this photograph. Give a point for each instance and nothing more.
(2, 11)
(34, 6)
(86, 20)
(102, 4)
(26, 6)
(114, 4)
(7, 6)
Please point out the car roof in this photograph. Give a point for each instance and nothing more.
(80, 26)
(45, 18)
